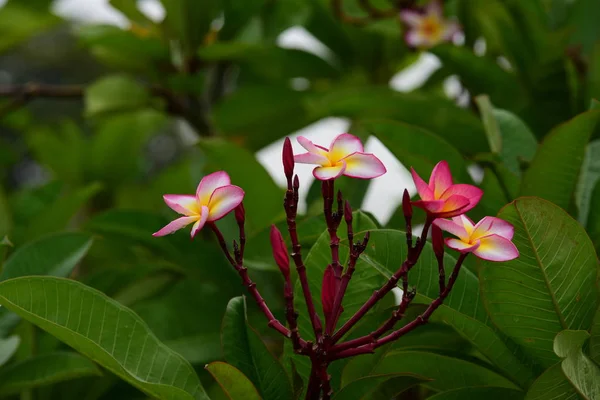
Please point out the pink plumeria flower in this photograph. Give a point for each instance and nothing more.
(345, 156)
(428, 28)
(215, 197)
(441, 198)
(490, 239)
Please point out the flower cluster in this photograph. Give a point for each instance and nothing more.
(428, 27)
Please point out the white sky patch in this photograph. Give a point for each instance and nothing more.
(153, 9)
(415, 74)
(90, 11)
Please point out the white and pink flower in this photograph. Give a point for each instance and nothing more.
(215, 197)
(489, 239)
(429, 27)
(345, 156)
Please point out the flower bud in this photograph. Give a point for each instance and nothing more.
(280, 253)
(348, 212)
(240, 214)
(288, 159)
(406, 206)
(437, 241)
(328, 291)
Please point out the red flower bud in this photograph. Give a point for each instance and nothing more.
(406, 206)
(240, 214)
(437, 240)
(328, 291)
(280, 253)
(288, 159)
(348, 212)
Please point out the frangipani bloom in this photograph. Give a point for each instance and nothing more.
(490, 239)
(441, 198)
(345, 156)
(215, 197)
(427, 29)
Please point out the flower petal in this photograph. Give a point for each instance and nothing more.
(414, 38)
(311, 158)
(175, 225)
(411, 18)
(493, 226)
(185, 204)
(452, 227)
(496, 248)
(473, 193)
(363, 165)
(343, 146)
(455, 205)
(422, 188)
(310, 146)
(435, 8)
(209, 183)
(200, 223)
(466, 222)
(441, 179)
(223, 201)
(327, 173)
(431, 206)
(461, 246)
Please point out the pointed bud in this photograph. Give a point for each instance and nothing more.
(437, 240)
(406, 206)
(348, 212)
(288, 159)
(328, 290)
(280, 253)
(296, 182)
(240, 214)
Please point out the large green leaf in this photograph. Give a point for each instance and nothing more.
(104, 331)
(115, 93)
(589, 177)
(45, 369)
(263, 200)
(5, 215)
(595, 338)
(189, 21)
(243, 348)
(550, 287)
(233, 382)
(552, 384)
(416, 147)
(518, 142)
(20, 21)
(488, 393)
(54, 255)
(555, 168)
(583, 374)
(593, 223)
(364, 387)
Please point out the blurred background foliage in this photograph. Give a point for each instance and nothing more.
(97, 122)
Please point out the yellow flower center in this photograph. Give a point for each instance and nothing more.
(431, 27)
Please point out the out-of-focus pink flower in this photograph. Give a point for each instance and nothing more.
(490, 239)
(441, 198)
(215, 197)
(428, 28)
(345, 156)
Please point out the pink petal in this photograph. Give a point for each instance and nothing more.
(175, 225)
(411, 18)
(182, 203)
(472, 193)
(461, 246)
(441, 179)
(465, 222)
(454, 206)
(327, 173)
(496, 248)
(344, 145)
(209, 183)
(493, 226)
(310, 146)
(223, 201)
(422, 188)
(200, 223)
(414, 38)
(364, 166)
(452, 227)
(451, 28)
(435, 8)
(311, 158)
(431, 206)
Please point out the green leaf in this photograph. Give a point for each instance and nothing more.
(45, 369)
(19, 22)
(593, 224)
(550, 287)
(263, 200)
(130, 10)
(233, 382)
(450, 373)
(589, 177)
(189, 20)
(458, 126)
(243, 349)
(5, 215)
(8, 347)
(363, 387)
(199, 349)
(104, 331)
(488, 393)
(54, 255)
(416, 147)
(552, 384)
(114, 93)
(518, 142)
(492, 129)
(583, 374)
(595, 338)
(555, 168)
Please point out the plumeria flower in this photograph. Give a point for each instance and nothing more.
(490, 239)
(215, 198)
(345, 156)
(441, 198)
(428, 28)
